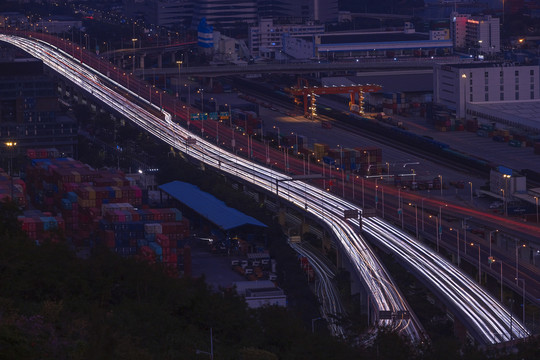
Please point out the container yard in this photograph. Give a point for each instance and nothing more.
(100, 208)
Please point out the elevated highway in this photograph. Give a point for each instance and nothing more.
(487, 320)
(297, 68)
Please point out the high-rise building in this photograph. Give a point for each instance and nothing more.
(29, 108)
(476, 34)
(268, 37)
(168, 13)
(322, 11)
(225, 14)
(275, 9)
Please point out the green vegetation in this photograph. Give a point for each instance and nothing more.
(56, 306)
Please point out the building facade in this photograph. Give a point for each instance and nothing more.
(29, 108)
(267, 36)
(476, 34)
(464, 86)
(225, 14)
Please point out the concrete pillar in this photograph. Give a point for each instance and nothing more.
(160, 61)
(211, 82)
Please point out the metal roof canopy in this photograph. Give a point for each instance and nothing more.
(208, 206)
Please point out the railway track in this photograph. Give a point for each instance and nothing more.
(415, 145)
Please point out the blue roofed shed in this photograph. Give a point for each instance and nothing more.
(208, 206)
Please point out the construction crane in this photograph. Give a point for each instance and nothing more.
(355, 91)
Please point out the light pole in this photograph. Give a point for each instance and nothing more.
(436, 230)
(470, 183)
(211, 353)
(523, 298)
(464, 77)
(517, 257)
(415, 216)
(506, 177)
(179, 63)
(490, 241)
(303, 161)
(363, 199)
(11, 146)
(440, 177)
(368, 162)
(479, 264)
(353, 181)
(504, 200)
(343, 181)
(536, 198)
(457, 244)
(278, 136)
(501, 263)
(376, 188)
(382, 203)
(423, 214)
(134, 40)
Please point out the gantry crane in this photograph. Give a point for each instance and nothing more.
(355, 91)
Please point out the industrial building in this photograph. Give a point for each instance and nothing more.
(29, 107)
(393, 43)
(503, 93)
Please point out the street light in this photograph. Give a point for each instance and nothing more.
(211, 353)
(470, 183)
(134, 40)
(457, 243)
(464, 77)
(416, 216)
(490, 240)
(11, 146)
(303, 161)
(423, 214)
(517, 257)
(440, 177)
(506, 177)
(536, 198)
(278, 136)
(504, 200)
(436, 230)
(500, 262)
(179, 62)
(479, 264)
(523, 298)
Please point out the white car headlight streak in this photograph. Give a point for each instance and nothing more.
(487, 318)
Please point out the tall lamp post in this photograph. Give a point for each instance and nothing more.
(490, 241)
(441, 184)
(536, 198)
(470, 183)
(11, 146)
(464, 77)
(523, 297)
(436, 230)
(457, 244)
(416, 216)
(517, 258)
(501, 263)
(504, 200)
(479, 264)
(179, 63)
(134, 40)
